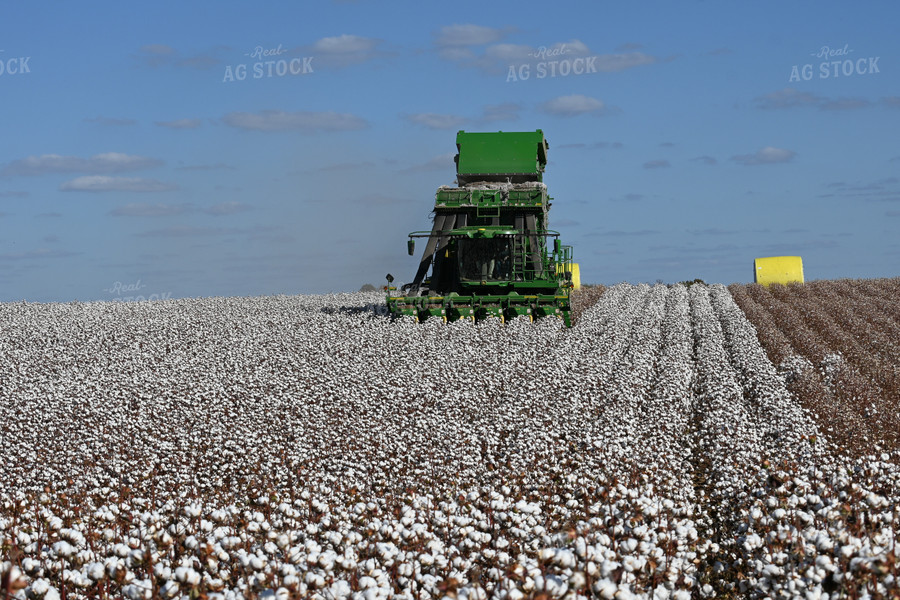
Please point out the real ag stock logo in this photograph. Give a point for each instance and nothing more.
(551, 62)
(119, 288)
(16, 65)
(842, 66)
(268, 68)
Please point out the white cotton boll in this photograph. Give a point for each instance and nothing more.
(581, 547)
(314, 580)
(72, 535)
(187, 575)
(875, 501)
(327, 560)
(40, 587)
(577, 580)
(623, 593)
(30, 566)
(564, 558)
(138, 591)
(632, 563)
(64, 549)
(96, 571)
(772, 570)
(279, 594)
(605, 588)
(607, 567)
(168, 589)
(162, 572)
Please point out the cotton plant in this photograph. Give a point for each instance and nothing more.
(310, 447)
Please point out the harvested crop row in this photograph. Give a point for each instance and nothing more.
(843, 362)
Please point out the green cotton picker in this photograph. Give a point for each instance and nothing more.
(489, 252)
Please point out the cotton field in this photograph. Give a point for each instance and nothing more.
(308, 447)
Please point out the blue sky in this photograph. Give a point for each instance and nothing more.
(132, 152)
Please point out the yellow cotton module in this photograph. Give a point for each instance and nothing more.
(778, 269)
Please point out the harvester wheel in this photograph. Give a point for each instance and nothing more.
(531, 318)
(444, 318)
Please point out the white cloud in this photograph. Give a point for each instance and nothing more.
(508, 111)
(345, 44)
(765, 156)
(214, 167)
(437, 121)
(458, 43)
(180, 124)
(38, 253)
(467, 35)
(458, 54)
(508, 52)
(141, 209)
(793, 98)
(227, 208)
(110, 162)
(438, 163)
(657, 164)
(345, 49)
(105, 183)
(573, 105)
(609, 63)
(306, 121)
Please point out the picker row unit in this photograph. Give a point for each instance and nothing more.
(490, 252)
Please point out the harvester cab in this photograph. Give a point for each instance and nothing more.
(487, 253)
